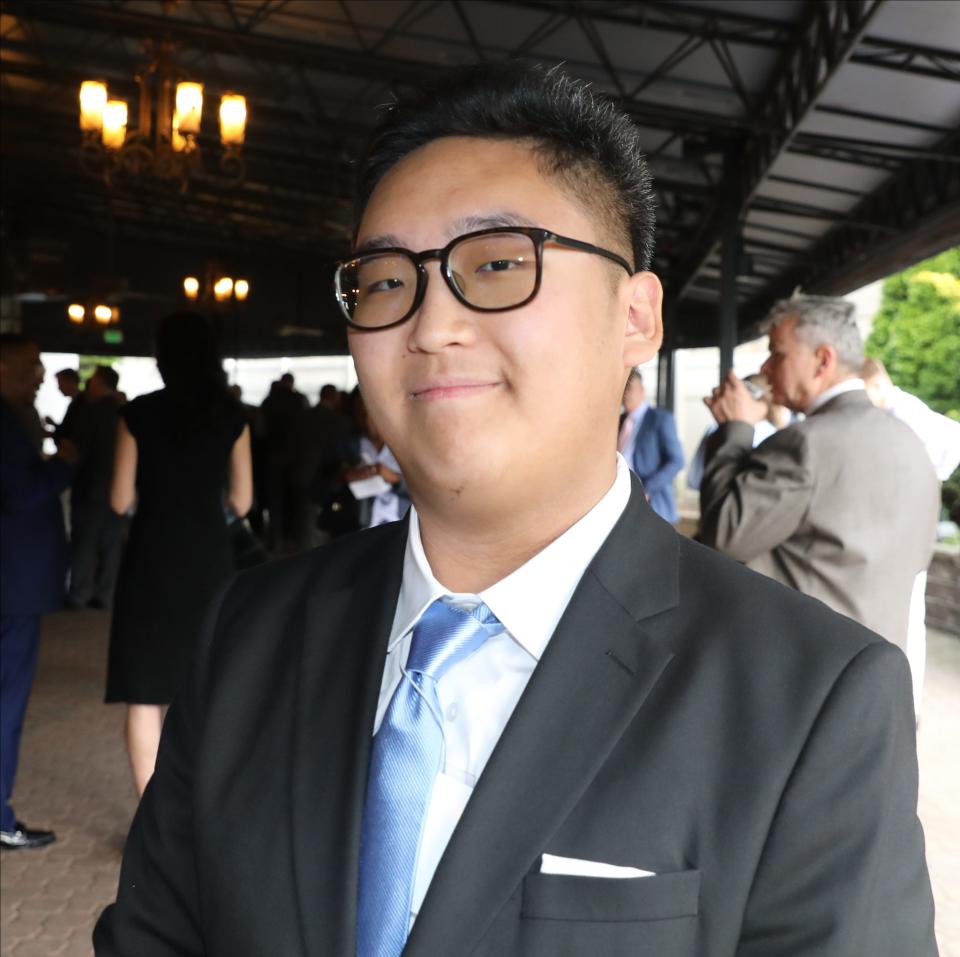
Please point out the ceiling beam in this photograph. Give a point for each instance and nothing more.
(331, 59)
(828, 37)
(921, 204)
(673, 18)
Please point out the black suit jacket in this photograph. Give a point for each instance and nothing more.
(689, 717)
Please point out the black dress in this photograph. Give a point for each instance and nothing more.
(178, 550)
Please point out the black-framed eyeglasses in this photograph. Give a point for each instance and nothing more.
(490, 270)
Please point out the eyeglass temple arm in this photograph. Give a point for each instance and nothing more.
(589, 248)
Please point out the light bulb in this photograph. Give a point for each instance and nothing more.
(93, 98)
(233, 119)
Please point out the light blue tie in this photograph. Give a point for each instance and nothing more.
(407, 752)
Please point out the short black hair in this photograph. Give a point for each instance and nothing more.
(588, 142)
(188, 357)
(109, 375)
(70, 374)
(11, 342)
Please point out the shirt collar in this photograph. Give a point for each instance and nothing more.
(531, 600)
(639, 412)
(848, 385)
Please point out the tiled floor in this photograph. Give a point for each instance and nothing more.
(74, 778)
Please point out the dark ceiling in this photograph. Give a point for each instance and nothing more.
(818, 139)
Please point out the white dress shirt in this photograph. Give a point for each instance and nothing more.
(848, 385)
(478, 695)
(940, 435)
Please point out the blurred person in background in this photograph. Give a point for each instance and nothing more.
(33, 558)
(940, 435)
(813, 506)
(95, 529)
(177, 450)
(283, 419)
(941, 438)
(68, 382)
(371, 458)
(777, 417)
(325, 429)
(648, 441)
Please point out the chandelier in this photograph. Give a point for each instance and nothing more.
(165, 141)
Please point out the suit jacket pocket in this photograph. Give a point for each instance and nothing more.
(660, 897)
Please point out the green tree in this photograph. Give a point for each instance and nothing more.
(916, 333)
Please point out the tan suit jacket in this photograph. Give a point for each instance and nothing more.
(842, 506)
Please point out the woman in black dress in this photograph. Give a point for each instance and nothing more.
(183, 454)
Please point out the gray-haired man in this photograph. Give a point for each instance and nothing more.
(841, 506)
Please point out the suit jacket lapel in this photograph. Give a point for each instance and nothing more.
(594, 676)
(346, 624)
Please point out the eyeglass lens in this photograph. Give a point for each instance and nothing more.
(493, 271)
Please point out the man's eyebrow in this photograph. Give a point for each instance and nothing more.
(465, 224)
(381, 241)
(500, 217)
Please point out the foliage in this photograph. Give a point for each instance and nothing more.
(89, 363)
(951, 497)
(916, 333)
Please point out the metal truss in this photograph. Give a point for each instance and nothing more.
(926, 189)
(304, 132)
(828, 38)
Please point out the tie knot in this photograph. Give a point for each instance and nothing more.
(447, 634)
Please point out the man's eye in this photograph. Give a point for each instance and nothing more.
(384, 285)
(500, 265)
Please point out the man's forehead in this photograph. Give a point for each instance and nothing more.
(782, 332)
(475, 182)
(486, 219)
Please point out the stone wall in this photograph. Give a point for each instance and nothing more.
(943, 590)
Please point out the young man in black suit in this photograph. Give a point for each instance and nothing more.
(530, 719)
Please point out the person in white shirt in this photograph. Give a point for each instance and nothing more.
(941, 438)
(940, 435)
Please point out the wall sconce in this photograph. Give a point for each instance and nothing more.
(102, 314)
(220, 289)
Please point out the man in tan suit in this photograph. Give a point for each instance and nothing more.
(841, 506)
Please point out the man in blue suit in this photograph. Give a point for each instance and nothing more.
(648, 441)
(33, 559)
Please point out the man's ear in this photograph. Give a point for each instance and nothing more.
(643, 306)
(826, 357)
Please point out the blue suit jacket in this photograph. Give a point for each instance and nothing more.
(33, 545)
(657, 457)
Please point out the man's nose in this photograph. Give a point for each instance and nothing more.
(442, 320)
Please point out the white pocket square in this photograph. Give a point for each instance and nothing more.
(575, 867)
